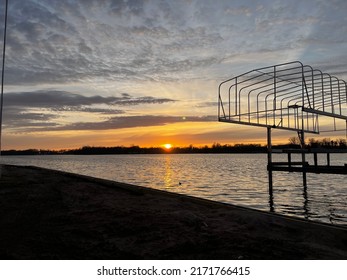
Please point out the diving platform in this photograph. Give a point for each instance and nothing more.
(289, 96)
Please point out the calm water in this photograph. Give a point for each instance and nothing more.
(239, 179)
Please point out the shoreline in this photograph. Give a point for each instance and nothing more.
(48, 214)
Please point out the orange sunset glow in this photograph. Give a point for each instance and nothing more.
(110, 77)
(167, 146)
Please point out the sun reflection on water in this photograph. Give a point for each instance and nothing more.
(168, 173)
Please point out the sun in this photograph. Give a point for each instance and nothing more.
(167, 146)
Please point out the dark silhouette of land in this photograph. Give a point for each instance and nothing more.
(339, 144)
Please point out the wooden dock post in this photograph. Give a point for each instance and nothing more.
(269, 169)
(315, 158)
(328, 159)
(303, 157)
(269, 158)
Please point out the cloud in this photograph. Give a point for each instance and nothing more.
(125, 122)
(68, 41)
(63, 99)
(145, 46)
(105, 111)
(42, 109)
(19, 120)
(207, 104)
(124, 8)
(63, 41)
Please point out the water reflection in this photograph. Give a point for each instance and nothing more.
(168, 173)
(291, 206)
(306, 209)
(232, 178)
(271, 200)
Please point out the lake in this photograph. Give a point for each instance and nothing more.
(239, 179)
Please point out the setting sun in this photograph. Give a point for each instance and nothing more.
(167, 146)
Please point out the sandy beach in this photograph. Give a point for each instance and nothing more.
(49, 214)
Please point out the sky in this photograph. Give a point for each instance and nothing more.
(109, 73)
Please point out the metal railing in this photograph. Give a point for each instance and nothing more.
(290, 96)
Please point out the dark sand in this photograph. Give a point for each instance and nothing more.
(54, 215)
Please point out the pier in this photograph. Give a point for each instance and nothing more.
(293, 97)
(316, 167)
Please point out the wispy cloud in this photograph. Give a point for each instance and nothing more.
(111, 123)
(77, 56)
(20, 120)
(21, 108)
(61, 99)
(65, 41)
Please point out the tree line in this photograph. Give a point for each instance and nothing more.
(325, 143)
(91, 150)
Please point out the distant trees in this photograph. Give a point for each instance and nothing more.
(325, 143)
(215, 148)
(29, 152)
(219, 148)
(294, 140)
(88, 150)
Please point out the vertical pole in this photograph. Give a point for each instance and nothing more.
(269, 157)
(235, 97)
(302, 134)
(302, 138)
(269, 168)
(303, 158)
(274, 100)
(306, 208)
(2, 80)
